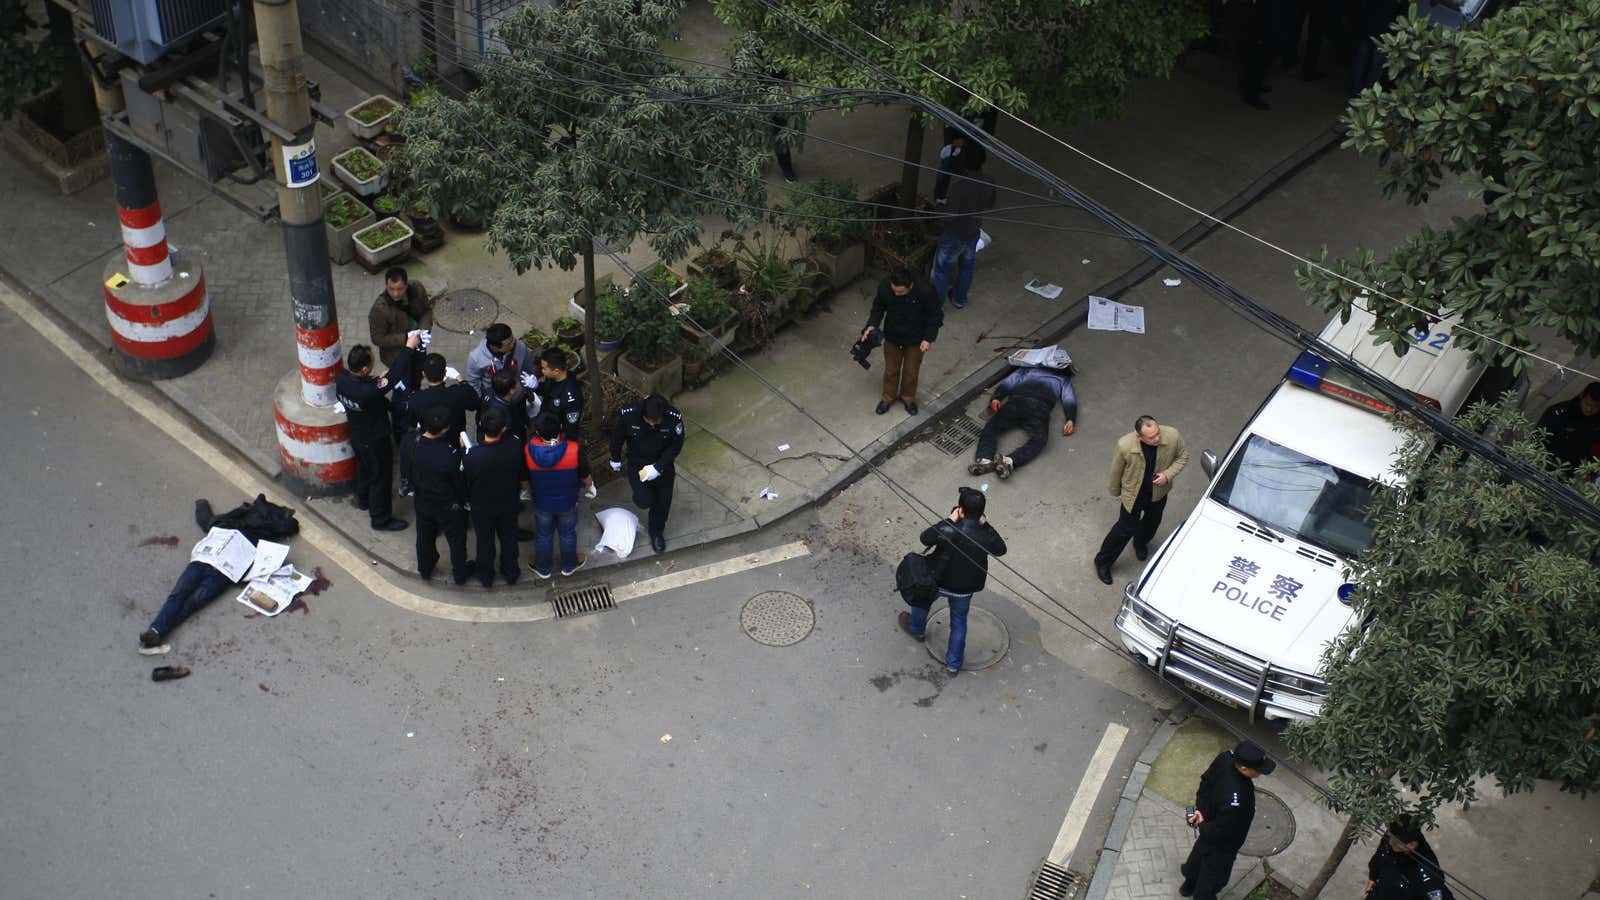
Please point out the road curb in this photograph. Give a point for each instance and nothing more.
(1106, 868)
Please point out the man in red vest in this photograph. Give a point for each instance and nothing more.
(556, 470)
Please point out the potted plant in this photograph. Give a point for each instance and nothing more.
(694, 364)
(380, 243)
(387, 205)
(569, 329)
(602, 285)
(658, 280)
(368, 118)
(343, 216)
(710, 309)
(651, 362)
(363, 172)
(836, 221)
(716, 265)
(611, 325)
(767, 275)
(429, 234)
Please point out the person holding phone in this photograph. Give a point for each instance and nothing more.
(965, 541)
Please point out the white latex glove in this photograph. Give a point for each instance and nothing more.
(649, 473)
(427, 338)
(534, 402)
(591, 491)
(530, 380)
(451, 373)
(527, 493)
(616, 466)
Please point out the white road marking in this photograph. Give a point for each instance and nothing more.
(1088, 788)
(709, 571)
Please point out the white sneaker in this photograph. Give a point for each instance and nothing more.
(981, 466)
(150, 644)
(1004, 467)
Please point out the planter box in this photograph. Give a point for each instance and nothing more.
(842, 267)
(575, 305)
(607, 357)
(666, 381)
(727, 332)
(373, 257)
(368, 131)
(341, 241)
(363, 188)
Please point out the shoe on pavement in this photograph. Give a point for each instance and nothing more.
(472, 567)
(1004, 467)
(1186, 890)
(905, 625)
(658, 543)
(1141, 553)
(535, 570)
(981, 466)
(958, 304)
(951, 672)
(391, 524)
(582, 559)
(406, 488)
(911, 407)
(882, 407)
(150, 644)
(1104, 571)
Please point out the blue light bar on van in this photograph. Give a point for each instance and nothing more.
(1311, 372)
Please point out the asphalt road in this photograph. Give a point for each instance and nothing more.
(356, 749)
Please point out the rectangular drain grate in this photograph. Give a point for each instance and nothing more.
(958, 436)
(589, 599)
(1055, 883)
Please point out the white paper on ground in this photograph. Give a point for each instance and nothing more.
(767, 493)
(1109, 315)
(618, 529)
(1172, 282)
(269, 559)
(1047, 291)
(1043, 357)
(225, 550)
(782, 447)
(282, 586)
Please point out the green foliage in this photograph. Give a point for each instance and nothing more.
(611, 319)
(385, 232)
(360, 163)
(1512, 109)
(548, 158)
(765, 269)
(373, 110)
(1485, 614)
(567, 325)
(718, 266)
(343, 211)
(387, 205)
(830, 201)
(27, 66)
(708, 303)
(653, 333)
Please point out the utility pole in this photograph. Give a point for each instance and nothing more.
(313, 435)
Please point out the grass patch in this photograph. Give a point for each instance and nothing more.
(1176, 772)
(1270, 889)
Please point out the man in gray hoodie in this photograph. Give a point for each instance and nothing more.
(500, 350)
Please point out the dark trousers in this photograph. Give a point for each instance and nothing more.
(374, 476)
(198, 585)
(452, 520)
(407, 444)
(1139, 526)
(655, 495)
(489, 526)
(1026, 413)
(1207, 869)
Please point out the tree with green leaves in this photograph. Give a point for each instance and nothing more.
(1062, 62)
(1511, 109)
(1474, 656)
(583, 132)
(27, 64)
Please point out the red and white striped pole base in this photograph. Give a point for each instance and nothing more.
(313, 442)
(313, 434)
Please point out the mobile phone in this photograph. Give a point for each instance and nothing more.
(1188, 814)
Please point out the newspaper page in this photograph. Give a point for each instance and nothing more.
(1109, 315)
(225, 550)
(269, 559)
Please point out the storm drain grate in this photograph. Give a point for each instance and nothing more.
(1055, 883)
(958, 436)
(589, 599)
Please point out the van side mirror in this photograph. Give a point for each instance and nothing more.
(1208, 462)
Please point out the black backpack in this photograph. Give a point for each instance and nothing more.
(917, 577)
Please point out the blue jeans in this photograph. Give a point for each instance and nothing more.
(198, 585)
(956, 651)
(546, 526)
(953, 251)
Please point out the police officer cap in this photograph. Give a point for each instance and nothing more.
(1250, 755)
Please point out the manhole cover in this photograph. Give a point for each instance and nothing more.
(1272, 830)
(777, 618)
(987, 638)
(958, 436)
(465, 310)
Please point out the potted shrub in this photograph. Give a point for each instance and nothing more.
(836, 221)
(387, 205)
(767, 275)
(430, 235)
(658, 280)
(387, 240)
(611, 325)
(368, 118)
(363, 172)
(711, 310)
(569, 330)
(602, 285)
(716, 265)
(651, 362)
(342, 216)
(695, 369)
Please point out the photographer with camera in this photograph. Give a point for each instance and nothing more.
(908, 316)
(964, 541)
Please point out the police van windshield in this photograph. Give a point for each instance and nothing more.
(1288, 491)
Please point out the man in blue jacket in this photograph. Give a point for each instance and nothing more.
(1024, 401)
(556, 469)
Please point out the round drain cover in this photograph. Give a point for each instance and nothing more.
(777, 618)
(465, 310)
(987, 638)
(1272, 830)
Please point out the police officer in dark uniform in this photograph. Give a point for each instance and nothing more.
(561, 392)
(405, 378)
(456, 399)
(494, 471)
(1224, 806)
(1404, 867)
(367, 410)
(653, 432)
(435, 464)
(510, 399)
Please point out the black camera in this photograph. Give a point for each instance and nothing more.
(860, 350)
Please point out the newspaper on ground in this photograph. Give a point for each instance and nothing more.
(1047, 291)
(1109, 315)
(269, 559)
(226, 550)
(1042, 358)
(767, 493)
(272, 594)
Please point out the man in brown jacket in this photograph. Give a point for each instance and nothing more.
(403, 307)
(1142, 469)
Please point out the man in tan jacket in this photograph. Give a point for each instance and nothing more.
(1142, 469)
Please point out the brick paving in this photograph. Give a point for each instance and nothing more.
(1156, 844)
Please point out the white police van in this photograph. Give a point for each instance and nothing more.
(1241, 599)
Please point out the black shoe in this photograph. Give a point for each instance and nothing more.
(471, 569)
(1186, 890)
(905, 625)
(524, 534)
(911, 407)
(1104, 571)
(882, 408)
(362, 504)
(659, 543)
(391, 524)
(1141, 553)
(150, 644)
(790, 176)
(1257, 102)
(406, 490)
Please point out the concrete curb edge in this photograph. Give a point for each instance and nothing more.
(1106, 868)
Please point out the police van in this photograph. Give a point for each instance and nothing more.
(1239, 601)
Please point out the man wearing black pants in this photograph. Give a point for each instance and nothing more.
(1142, 468)
(367, 410)
(1023, 400)
(653, 433)
(1224, 807)
(441, 496)
(494, 472)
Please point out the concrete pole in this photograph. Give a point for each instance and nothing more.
(313, 435)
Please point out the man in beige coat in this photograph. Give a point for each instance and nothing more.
(1142, 469)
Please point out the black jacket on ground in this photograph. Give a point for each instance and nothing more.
(964, 551)
(1227, 800)
(1406, 876)
(436, 471)
(365, 406)
(456, 399)
(493, 476)
(258, 520)
(907, 320)
(648, 445)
